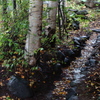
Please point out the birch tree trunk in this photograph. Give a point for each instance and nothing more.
(35, 29)
(52, 14)
(51, 28)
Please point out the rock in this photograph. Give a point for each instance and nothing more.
(66, 62)
(57, 68)
(77, 51)
(75, 25)
(78, 47)
(46, 57)
(97, 44)
(96, 30)
(84, 69)
(74, 10)
(19, 87)
(71, 92)
(80, 40)
(82, 12)
(68, 52)
(87, 63)
(91, 62)
(98, 39)
(60, 56)
(85, 17)
(73, 98)
(72, 83)
(76, 40)
(84, 37)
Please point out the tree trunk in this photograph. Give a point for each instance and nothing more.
(35, 29)
(52, 20)
(14, 4)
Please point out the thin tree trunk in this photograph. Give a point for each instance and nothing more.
(35, 26)
(52, 20)
(52, 14)
(14, 4)
(59, 21)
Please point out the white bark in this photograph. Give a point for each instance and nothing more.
(50, 29)
(35, 25)
(52, 14)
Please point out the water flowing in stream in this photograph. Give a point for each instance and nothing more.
(75, 74)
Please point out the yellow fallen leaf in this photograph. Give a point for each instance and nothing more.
(32, 73)
(22, 76)
(92, 84)
(1, 84)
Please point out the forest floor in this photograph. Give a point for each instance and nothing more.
(86, 88)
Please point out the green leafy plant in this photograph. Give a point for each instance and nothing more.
(12, 40)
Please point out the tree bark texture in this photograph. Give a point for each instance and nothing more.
(52, 14)
(35, 29)
(51, 28)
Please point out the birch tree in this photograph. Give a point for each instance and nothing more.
(51, 28)
(35, 29)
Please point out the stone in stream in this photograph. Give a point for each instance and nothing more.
(96, 30)
(66, 62)
(80, 40)
(77, 50)
(19, 87)
(73, 98)
(57, 68)
(97, 44)
(71, 92)
(98, 39)
(84, 69)
(84, 38)
(60, 55)
(91, 62)
(76, 40)
(72, 84)
(68, 52)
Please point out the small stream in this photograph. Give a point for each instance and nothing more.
(73, 75)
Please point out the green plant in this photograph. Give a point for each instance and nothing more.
(12, 40)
